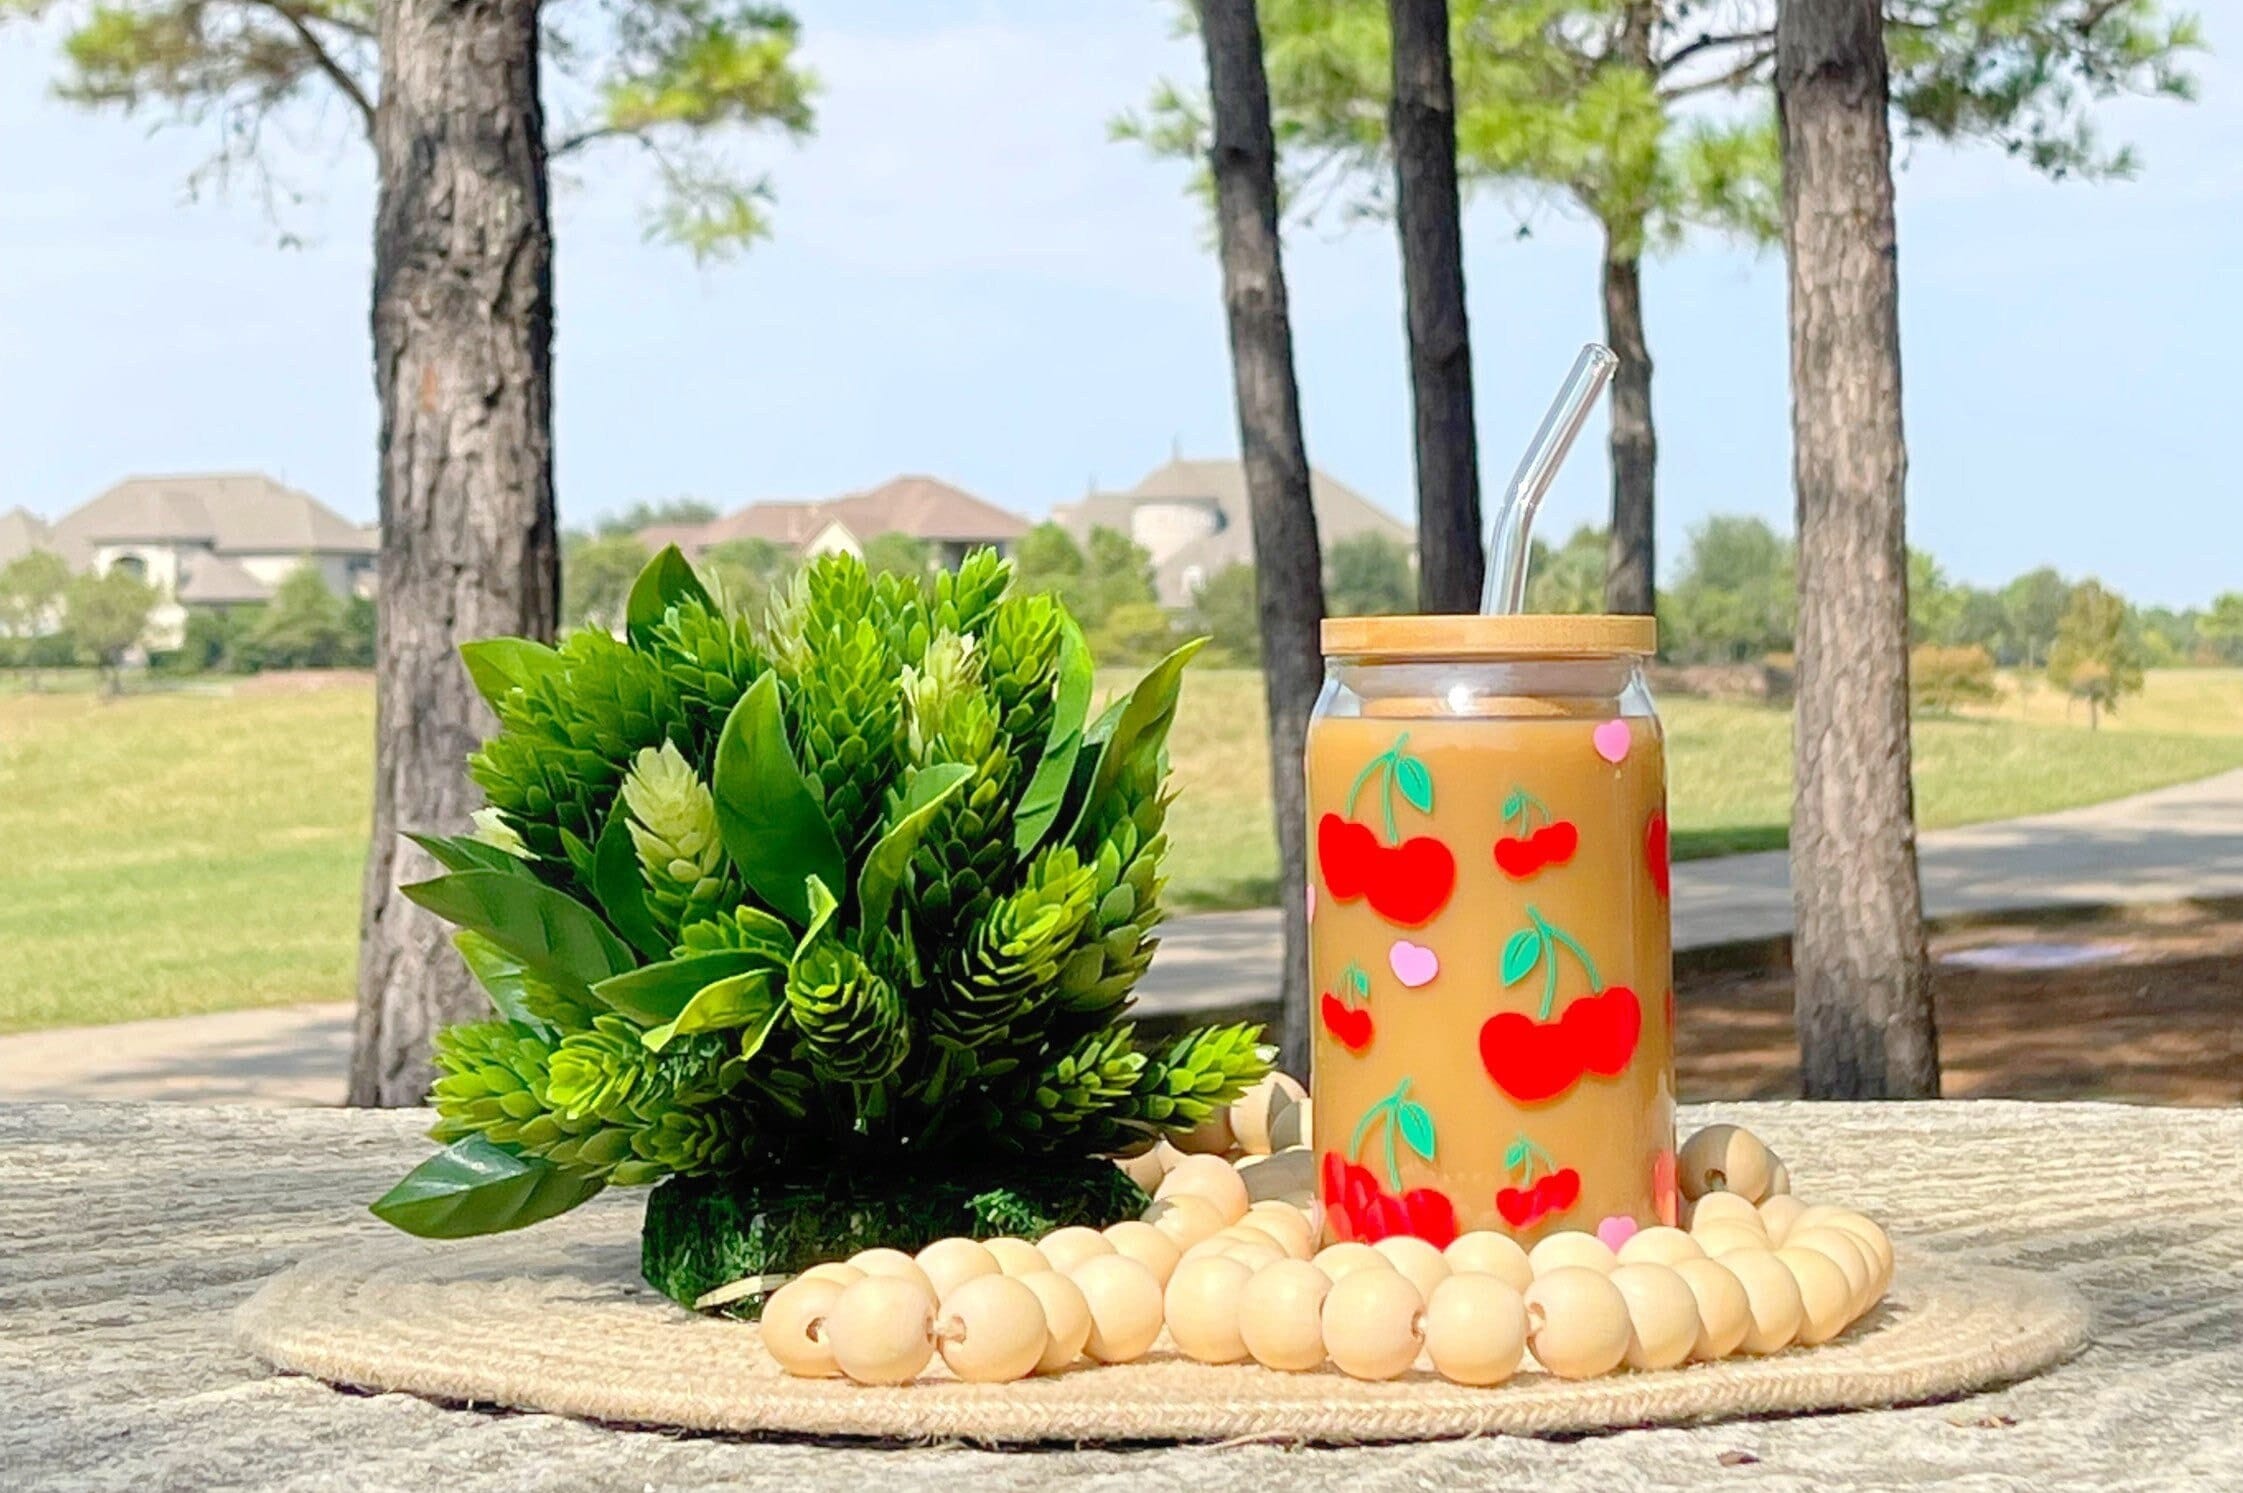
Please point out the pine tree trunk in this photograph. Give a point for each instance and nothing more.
(1421, 122)
(1862, 984)
(463, 331)
(1288, 567)
(1630, 572)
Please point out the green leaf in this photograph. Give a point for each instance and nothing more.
(1417, 1127)
(466, 853)
(501, 975)
(474, 1187)
(499, 666)
(666, 581)
(1415, 782)
(822, 906)
(621, 889)
(1046, 793)
(1514, 1156)
(1357, 980)
(744, 1000)
(772, 825)
(1515, 804)
(659, 993)
(1145, 718)
(550, 931)
(885, 863)
(1522, 951)
(581, 858)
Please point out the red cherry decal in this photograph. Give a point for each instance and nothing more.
(1559, 1191)
(1413, 881)
(1529, 1060)
(1557, 841)
(1517, 858)
(1655, 854)
(1385, 1218)
(1518, 1205)
(1603, 1029)
(1350, 1024)
(1345, 851)
(1432, 1216)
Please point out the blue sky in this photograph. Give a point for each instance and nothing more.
(969, 280)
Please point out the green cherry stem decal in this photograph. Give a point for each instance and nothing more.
(1523, 808)
(1403, 1116)
(1395, 769)
(1357, 982)
(1538, 944)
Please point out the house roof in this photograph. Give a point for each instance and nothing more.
(22, 531)
(213, 580)
(922, 507)
(230, 512)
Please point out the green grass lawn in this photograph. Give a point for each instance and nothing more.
(200, 849)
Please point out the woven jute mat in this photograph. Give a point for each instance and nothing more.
(557, 1319)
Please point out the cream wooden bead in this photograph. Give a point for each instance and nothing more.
(1125, 1312)
(1662, 1315)
(1288, 1177)
(1726, 1210)
(1294, 1126)
(991, 1330)
(1485, 1252)
(1779, 1180)
(1571, 1249)
(1659, 1245)
(1724, 1311)
(1187, 1219)
(1779, 1214)
(1371, 1326)
(1577, 1322)
(1016, 1257)
(882, 1329)
(1286, 1224)
(1225, 1240)
(1068, 1247)
(1209, 1177)
(1066, 1319)
(793, 1327)
(1475, 1328)
(1726, 1238)
(1724, 1158)
(1280, 1315)
(1255, 1256)
(1341, 1260)
(835, 1271)
(891, 1262)
(1201, 1305)
(1210, 1137)
(1826, 1301)
(1870, 1235)
(1146, 1245)
(1418, 1262)
(1772, 1292)
(1847, 1254)
(950, 1263)
(1144, 1168)
(1253, 1111)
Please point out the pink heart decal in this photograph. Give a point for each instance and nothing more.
(1617, 1230)
(1612, 740)
(1413, 964)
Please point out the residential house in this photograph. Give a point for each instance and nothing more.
(21, 532)
(214, 540)
(1193, 519)
(948, 518)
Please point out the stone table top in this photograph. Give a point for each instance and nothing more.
(129, 1233)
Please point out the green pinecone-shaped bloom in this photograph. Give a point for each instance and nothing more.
(1199, 1072)
(839, 669)
(1118, 945)
(1082, 1096)
(1020, 665)
(711, 658)
(601, 1071)
(964, 597)
(1011, 961)
(673, 826)
(849, 1021)
(966, 853)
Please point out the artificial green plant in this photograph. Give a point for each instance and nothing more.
(827, 922)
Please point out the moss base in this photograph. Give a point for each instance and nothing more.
(705, 1232)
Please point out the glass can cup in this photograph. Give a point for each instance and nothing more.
(1488, 929)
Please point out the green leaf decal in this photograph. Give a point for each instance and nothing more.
(772, 825)
(474, 1187)
(660, 993)
(621, 889)
(1514, 1156)
(1417, 1127)
(1046, 793)
(743, 1000)
(465, 853)
(499, 666)
(1513, 804)
(1522, 951)
(549, 931)
(1358, 981)
(1415, 782)
(666, 581)
(885, 863)
(502, 976)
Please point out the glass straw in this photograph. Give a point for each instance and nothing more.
(1507, 537)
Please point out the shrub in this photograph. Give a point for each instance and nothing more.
(1943, 678)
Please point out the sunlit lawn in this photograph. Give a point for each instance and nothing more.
(199, 850)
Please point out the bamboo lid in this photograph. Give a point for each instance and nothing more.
(1398, 639)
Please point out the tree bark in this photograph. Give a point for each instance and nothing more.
(1630, 571)
(1863, 987)
(1421, 123)
(1288, 565)
(463, 335)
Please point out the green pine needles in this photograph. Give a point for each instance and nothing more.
(846, 899)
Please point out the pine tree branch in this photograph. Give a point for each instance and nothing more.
(326, 61)
(1713, 41)
(1727, 82)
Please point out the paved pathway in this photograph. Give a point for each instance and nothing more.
(2175, 843)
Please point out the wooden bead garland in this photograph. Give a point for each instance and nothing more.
(1231, 1281)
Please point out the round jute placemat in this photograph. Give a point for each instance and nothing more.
(558, 1320)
